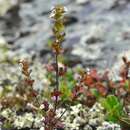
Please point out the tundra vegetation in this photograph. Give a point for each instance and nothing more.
(70, 92)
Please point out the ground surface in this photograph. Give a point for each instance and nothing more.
(97, 31)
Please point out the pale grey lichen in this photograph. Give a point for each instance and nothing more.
(24, 121)
(96, 116)
(109, 126)
(81, 117)
(87, 127)
(7, 113)
(38, 121)
(75, 117)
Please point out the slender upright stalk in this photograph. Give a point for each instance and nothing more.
(57, 14)
(57, 72)
(57, 79)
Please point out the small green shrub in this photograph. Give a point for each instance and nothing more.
(113, 107)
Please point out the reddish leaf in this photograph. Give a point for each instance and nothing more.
(56, 93)
(57, 48)
(50, 67)
(29, 82)
(25, 67)
(105, 76)
(76, 91)
(122, 82)
(51, 113)
(124, 71)
(34, 93)
(94, 74)
(62, 70)
(46, 106)
(121, 92)
(102, 89)
(88, 80)
(111, 84)
(90, 99)
(74, 95)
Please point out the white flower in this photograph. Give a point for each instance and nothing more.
(65, 9)
(52, 14)
(53, 11)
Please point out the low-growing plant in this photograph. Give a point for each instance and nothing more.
(113, 107)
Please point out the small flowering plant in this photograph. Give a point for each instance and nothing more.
(51, 121)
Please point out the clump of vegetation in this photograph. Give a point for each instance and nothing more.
(113, 107)
(67, 88)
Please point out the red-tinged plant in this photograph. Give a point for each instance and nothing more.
(23, 93)
(28, 82)
(124, 72)
(93, 79)
(103, 90)
(57, 14)
(77, 90)
(26, 72)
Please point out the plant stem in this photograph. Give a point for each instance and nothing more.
(57, 73)
(57, 79)
(62, 114)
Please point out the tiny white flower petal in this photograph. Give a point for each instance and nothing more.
(42, 106)
(65, 9)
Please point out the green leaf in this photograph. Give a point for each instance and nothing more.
(127, 84)
(114, 108)
(59, 26)
(66, 92)
(112, 100)
(95, 92)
